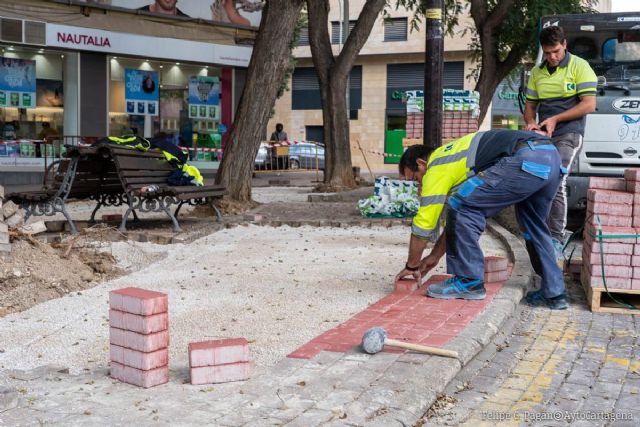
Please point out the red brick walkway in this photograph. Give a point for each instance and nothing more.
(405, 316)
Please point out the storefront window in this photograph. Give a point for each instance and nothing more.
(30, 112)
(172, 116)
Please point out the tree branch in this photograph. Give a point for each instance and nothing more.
(498, 14)
(478, 12)
(319, 39)
(358, 36)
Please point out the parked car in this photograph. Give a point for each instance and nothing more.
(305, 156)
(262, 157)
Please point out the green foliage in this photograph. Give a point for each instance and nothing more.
(519, 29)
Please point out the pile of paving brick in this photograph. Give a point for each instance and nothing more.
(139, 336)
(454, 124)
(611, 248)
(219, 361)
(5, 246)
(139, 344)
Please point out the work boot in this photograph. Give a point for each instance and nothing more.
(537, 299)
(457, 287)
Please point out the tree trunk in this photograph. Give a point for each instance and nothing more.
(268, 65)
(332, 76)
(338, 174)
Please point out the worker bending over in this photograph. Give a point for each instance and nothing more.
(469, 180)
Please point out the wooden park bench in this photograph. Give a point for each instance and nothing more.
(83, 175)
(113, 175)
(139, 170)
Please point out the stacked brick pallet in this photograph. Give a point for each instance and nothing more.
(613, 211)
(219, 361)
(139, 336)
(415, 125)
(5, 247)
(454, 124)
(458, 123)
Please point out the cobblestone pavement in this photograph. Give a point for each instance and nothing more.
(556, 368)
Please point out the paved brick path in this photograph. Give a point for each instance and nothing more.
(554, 366)
(405, 316)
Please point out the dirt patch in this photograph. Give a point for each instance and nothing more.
(227, 207)
(37, 272)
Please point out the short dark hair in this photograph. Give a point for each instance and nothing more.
(279, 125)
(410, 157)
(552, 35)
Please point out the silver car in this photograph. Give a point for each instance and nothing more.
(262, 158)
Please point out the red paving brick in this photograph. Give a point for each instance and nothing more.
(405, 316)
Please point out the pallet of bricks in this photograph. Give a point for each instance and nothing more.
(611, 250)
(455, 124)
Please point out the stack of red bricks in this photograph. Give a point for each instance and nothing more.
(458, 123)
(496, 269)
(454, 124)
(613, 210)
(415, 125)
(219, 361)
(139, 336)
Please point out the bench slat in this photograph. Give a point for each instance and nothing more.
(136, 163)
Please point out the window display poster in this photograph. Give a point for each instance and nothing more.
(141, 92)
(49, 93)
(204, 98)
(17, 83)
(235, 12)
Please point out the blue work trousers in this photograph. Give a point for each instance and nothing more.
(528, 179)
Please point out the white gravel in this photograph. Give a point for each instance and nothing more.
(281, 194)
(278, 287)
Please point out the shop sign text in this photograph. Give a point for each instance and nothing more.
(83, 39)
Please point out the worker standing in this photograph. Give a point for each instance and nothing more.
(562, 91)
(469, 180)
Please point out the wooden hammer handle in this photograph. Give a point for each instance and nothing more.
(421, 348)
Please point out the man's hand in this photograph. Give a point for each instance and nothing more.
(415, 274)
(550, 125)
(428, 263)
(532, 126)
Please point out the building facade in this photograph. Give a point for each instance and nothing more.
(77, 69)
(390, 63)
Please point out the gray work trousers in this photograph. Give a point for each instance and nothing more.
(568, 146)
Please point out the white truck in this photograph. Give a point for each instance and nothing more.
(610, 42)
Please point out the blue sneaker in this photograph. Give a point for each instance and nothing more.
(458, 287)
(537, 299)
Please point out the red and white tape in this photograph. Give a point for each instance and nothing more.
(380, 153)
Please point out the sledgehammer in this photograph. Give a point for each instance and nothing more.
(375, 338)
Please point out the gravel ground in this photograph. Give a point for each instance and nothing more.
(278, 287)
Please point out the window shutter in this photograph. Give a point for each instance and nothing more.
(34, 32)
(11, 30)
(395, 30)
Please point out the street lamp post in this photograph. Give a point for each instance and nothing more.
(433, 74)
